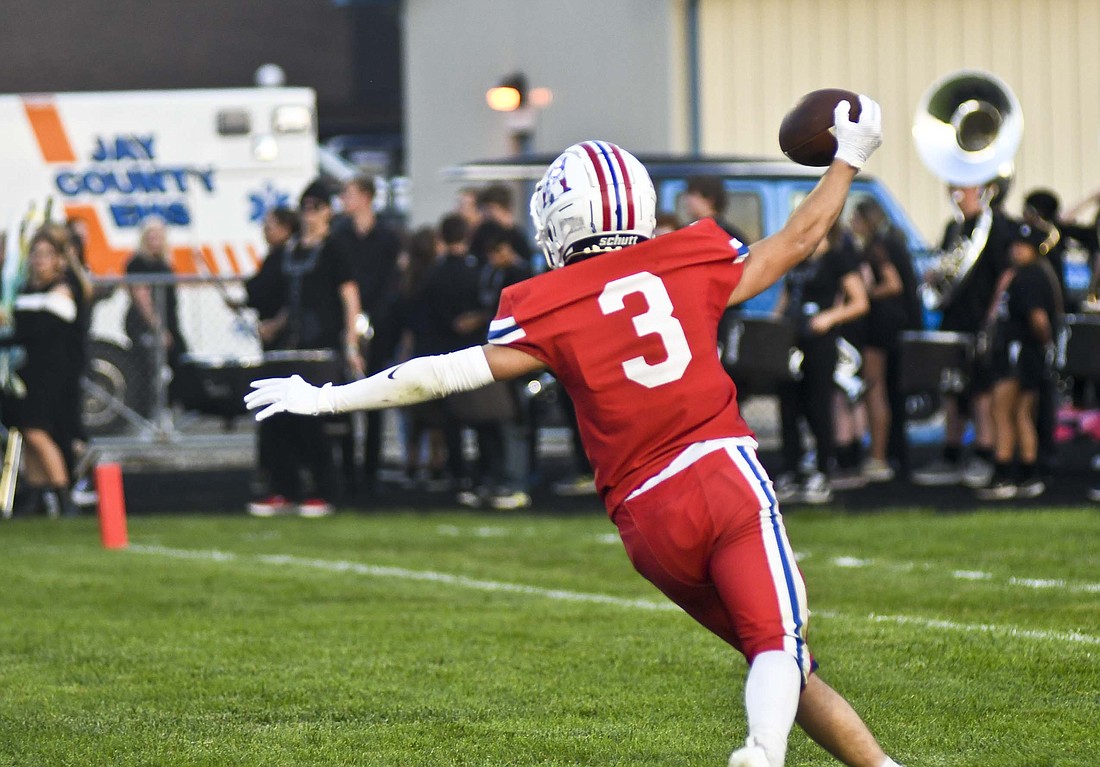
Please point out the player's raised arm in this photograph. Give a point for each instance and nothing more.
(771, 258)
(418, 380)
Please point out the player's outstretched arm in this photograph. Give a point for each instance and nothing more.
(771, 258)
(418, 380)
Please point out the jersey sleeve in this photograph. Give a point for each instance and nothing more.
(510, 328)
(731, 268)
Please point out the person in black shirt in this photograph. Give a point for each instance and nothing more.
(318, 304)
(78, 455)
(423, 421)
(966, 311)
(45, 317)
(849, 400)
(320, 298)
(453, 319)
(503, 268)
(501, 438)
(265, 292)
(372, 250)
(80, 286)
(152, 320)
(1041, 213)
(887, 269)
(1022, 358)
(498, 217)
(467, 206)
(810, 300)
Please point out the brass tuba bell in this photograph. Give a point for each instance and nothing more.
(967, 130)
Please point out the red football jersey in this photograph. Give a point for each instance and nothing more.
(632, 334)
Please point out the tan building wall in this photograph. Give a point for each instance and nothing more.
(759, 56)
(607, 83)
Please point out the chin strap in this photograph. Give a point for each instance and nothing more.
(601, 243)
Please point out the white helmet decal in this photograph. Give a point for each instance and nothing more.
(594, 197)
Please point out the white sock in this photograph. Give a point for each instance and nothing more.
(889, 763)
(771, 701)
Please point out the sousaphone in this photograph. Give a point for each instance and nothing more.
(967, 130)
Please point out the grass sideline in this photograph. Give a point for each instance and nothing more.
(444, 638)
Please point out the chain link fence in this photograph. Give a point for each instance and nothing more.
(137, 384)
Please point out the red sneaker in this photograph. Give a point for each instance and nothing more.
(269, 507)
(314, 507)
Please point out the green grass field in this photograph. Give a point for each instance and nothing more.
(445, 638)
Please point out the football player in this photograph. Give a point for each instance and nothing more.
(628, 324)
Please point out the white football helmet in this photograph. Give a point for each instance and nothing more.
(595, 197)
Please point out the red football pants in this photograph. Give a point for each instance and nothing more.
(710, 536)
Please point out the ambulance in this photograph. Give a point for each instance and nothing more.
(210, 163)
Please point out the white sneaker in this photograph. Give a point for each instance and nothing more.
(1000, 490)
(509, 500)
(84, 493)
(749, 756)
(817, 489)
(583, 484)
(977, 472)
(469, 498)
(848, 479)
(786, 487)
(938, 473)
(1031, 488)
(877, 470)
(1094, 493)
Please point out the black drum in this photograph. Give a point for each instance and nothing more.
(934, 361)
(1081, 357)
(757, 352)
(216, 384)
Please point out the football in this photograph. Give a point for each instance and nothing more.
(806, 133)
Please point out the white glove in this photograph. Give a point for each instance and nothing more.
(856, 141)
(288, 395)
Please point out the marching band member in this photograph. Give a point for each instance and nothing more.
(1026, 313)
(987, 229)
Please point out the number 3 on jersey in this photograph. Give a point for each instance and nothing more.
(657, 319)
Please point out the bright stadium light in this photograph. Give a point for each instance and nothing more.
(503, 99)
(540, 98)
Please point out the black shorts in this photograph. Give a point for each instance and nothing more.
(884, 323)
(1029, 364)
(982, 375)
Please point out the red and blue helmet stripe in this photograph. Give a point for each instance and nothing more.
(614, 179)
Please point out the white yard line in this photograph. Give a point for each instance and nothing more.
(1074, 637)
(968, 575)
(461, 581)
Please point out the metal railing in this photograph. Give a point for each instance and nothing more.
(128, 382)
